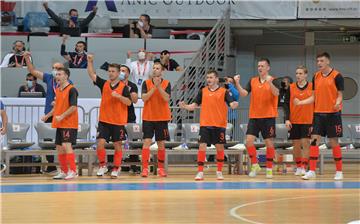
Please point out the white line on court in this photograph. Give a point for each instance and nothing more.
(235, 215)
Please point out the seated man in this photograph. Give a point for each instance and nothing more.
(168, 63)
(72, 22)
(15, 59)
(77, 59)
(142, 28)
(31, 85)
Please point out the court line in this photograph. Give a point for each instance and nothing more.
(78, 187)
(235, 215)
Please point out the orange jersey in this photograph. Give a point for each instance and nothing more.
(263, 104)
(62, 104)
(112, 110)
(326, 92)
(214, 110)
(301, 114)
(156, 108)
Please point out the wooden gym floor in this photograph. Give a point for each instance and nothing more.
(179, 199)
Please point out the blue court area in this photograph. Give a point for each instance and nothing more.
(71, 187)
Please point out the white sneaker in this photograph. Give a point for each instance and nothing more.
(61, 175)
(300, 172)
(269, 173)
(101, 171)
(309, 175)
(71, 175)
(115, 173)
(339, 175)
(199, 176)
(255, 168)
(219, 175)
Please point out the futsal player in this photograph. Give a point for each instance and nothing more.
(65, 119)
(262, 114)
(299, 118)
(214, 101)
(156, 93)
(115, 99)
(328, 84)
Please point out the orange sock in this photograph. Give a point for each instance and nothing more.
(305, 162)
(70, 159)
(270, 154)
(252, 154)
(220, 159)
(201, 160)
(337, 157)
(298, 162)
(314, 154)
(101, 153)
(62, 161)
(161, 158)
(117, 159)
(145, 154)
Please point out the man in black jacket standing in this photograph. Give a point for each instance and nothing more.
(72, 22)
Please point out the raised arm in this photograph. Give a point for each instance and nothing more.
(52, 15)
(90, 17)
(63, 48)
(274, 89)
(90, 67)
(243, 92)
(31, 68)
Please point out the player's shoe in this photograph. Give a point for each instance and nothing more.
(145, 173)
(199, 176)
(101, 171)
(300, 172)
(71, 175)
(161, 172)
(255, 168)
(61, 175)
(219, 175)
(115, 173)
(339, 175)
(309, 175)
(269, 173)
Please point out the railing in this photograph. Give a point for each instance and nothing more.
(211, 55)
(31, 114)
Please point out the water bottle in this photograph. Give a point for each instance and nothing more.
(183, 143)
(126, 145)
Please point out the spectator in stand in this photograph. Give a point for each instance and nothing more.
(168, 63)
(15, 59)
(31, 85)
(72, 22)
(77, 59)
(141, 28)
(141, 68)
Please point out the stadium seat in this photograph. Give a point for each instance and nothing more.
(172, 133)
(46, 135)
(100, 24)
(355, 134)
(16, 136)
(36, 22)
(190, 132)
(134, 135)
(82, 140)
(281, 139)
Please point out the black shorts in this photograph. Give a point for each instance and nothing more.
(111, 132)
(264, 125)
(299, 131)
(328, 125)
(212, 135)
(66, 135)
(159, 128)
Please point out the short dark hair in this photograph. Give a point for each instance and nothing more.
(147, 17)
(114, 65)
(212, 71)
(323, 54)
(30, 75)
(124, 66)
(158, 63)
(72, 10)
(66, 70)
(265, 59)
(164, 52)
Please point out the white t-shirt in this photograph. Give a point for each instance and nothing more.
(139, 71)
